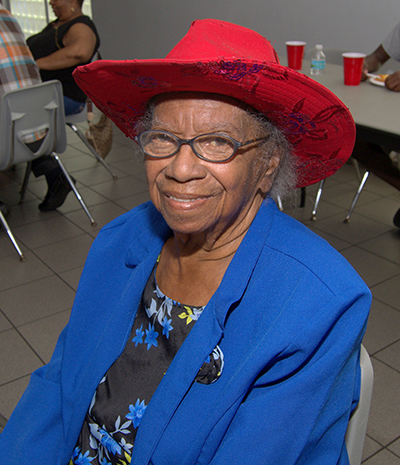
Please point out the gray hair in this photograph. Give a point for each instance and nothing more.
(285, 175)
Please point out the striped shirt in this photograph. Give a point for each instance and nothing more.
(17, 67)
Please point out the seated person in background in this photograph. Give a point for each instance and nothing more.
(390, 48)
(208, 326)
(67, 42)
(18, 69)
(374, 157)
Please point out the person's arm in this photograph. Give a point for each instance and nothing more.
(374, 61)
(79, 44)
(392, 82)
(377, 59)
(301, 418)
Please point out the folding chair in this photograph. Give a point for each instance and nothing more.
(26, 114)
(321, 186)
(357, 195)
(357, 427)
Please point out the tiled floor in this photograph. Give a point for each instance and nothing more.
(36, 296)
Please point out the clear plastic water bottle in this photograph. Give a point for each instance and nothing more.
(318, 61)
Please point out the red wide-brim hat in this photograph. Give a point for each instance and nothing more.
(224, 58)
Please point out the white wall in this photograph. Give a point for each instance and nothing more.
(150, 28)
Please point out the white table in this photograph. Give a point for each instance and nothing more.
(376, 110)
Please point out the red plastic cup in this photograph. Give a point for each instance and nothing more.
(353, 66)
(295, 53)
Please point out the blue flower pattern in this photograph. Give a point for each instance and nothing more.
(136, 413)
(138, 339)
(166, 324)
(105, 449)
(151, 337)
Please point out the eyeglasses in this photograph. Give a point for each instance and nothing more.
(215, 148)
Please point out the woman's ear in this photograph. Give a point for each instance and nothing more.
(270, 172)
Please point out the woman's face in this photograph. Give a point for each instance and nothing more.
(198, 197)
(63, 8)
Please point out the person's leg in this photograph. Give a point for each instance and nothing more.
(58, 186)
(396, 219)
(4, 208)
(72, 107)
(45, 165)
(374, 158)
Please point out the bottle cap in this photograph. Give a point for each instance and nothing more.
(318, 46)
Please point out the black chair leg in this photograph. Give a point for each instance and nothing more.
(25, 181)
(303, 197)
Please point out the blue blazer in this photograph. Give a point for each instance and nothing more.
(289, 316)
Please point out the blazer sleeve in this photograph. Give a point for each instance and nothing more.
(297, 411)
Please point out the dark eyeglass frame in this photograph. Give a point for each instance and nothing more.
(236, 144)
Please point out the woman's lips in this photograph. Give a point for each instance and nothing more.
(185, 202)
(184, 199)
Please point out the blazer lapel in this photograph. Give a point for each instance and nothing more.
(115, 328)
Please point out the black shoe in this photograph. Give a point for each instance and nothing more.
(57, 193)
(396, 219)
(5, 209)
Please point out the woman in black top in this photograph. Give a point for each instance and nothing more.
(69, 41)
(64, 44)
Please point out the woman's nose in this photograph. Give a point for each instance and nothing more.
(186, 165)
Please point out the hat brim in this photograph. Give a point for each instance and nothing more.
(316, 123)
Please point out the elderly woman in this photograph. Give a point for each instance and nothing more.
(208, 326)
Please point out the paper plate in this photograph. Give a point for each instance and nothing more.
(377, 81)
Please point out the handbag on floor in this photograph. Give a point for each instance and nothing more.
(99, 134)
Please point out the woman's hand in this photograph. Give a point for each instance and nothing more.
(79, 46)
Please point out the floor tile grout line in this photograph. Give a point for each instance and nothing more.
(396, 275)
(15, 328)
(43, 318)
(52, 271)
(378, 452)
(386, 364)
(15, 380)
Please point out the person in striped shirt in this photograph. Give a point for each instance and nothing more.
(17, 66)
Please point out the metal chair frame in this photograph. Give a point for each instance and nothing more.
(357, 427)
(30, 110)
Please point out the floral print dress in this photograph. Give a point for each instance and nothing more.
(120, 401)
